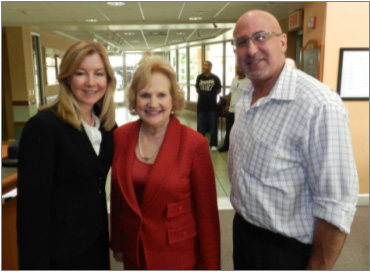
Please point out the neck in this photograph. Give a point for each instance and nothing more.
(86, 115)
(207, 74)
(241, 76)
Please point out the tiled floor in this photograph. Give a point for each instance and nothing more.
(219, 159)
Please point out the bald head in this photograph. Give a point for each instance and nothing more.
(258, 18)
(261, 46)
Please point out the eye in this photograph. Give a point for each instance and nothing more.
(79, 73)
(260, 37)
(162, 95)
(100, 74)
(241, 41)
(144, 95)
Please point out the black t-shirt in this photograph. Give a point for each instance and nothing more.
(207, 96)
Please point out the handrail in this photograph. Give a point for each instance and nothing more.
(9, 183)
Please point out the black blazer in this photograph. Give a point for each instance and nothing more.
(61, 206)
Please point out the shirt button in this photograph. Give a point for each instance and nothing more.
(100, 192)
(179, 208)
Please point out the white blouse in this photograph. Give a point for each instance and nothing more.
(94, 133)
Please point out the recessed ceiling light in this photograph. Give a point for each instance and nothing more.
(116, 4)
(135, 41)
(129, 33)
(91, 20)
(195, 18)
(180, 33)
(174, 41)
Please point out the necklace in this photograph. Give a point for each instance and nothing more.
(146, 158)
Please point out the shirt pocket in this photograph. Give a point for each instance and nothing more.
(260, 159)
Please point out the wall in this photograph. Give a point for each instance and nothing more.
(344, 24)
(18, 79)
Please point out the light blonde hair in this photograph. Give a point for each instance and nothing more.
(67, 106)
(142, 78)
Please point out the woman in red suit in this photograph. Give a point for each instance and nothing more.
(163, 203)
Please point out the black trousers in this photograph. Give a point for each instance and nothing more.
(255, 248)
(230, 117)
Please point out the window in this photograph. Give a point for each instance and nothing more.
(229, 66)
(214, 53)
(117, 65)
(182, 73)
(195, 69)
(173, 59)
(132, 60)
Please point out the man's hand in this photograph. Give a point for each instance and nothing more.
(328, 241)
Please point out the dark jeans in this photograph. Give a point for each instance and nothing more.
(202, 119)
(255, 248)
(230, 117)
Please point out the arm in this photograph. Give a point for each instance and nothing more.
(115, 217)
(327, 243)
(205, 197)
(333, 180)
(228, 102)
(197, 90)
(35, 180)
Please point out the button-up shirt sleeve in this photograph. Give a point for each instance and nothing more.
(330, 165)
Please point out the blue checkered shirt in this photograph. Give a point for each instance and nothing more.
(290, 158)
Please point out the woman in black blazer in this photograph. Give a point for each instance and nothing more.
(65, 154)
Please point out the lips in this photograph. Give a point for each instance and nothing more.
(152, 112)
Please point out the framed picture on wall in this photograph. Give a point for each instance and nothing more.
(311, 59)
(353, 75)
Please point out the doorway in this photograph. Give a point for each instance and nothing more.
(37, 69)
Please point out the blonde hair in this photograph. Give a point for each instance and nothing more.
(142, 78)
(67, 106)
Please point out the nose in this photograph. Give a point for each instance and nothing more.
(153, 102)
(90, 80)
(251, 48)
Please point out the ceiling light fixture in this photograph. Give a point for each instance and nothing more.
(129, 33)
(180, 33)
(91, 20)
(214, 22)
(195, 18)
(135, 41)
(116, 4)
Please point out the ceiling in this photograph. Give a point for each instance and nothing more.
(143, 26)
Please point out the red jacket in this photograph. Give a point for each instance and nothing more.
(178, 217)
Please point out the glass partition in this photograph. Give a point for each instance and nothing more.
(182, 72)
(195, 63)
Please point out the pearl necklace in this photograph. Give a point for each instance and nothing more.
(146, 158)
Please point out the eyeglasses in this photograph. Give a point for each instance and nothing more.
(256, 38)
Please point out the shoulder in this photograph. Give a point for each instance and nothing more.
(192, 137)
(314, 92)
(125, 129)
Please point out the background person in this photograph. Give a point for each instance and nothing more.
(164, 206)
(294, 182)
(236, 90)
(65, 154)
(208, 86)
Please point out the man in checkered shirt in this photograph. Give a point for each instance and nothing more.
(294, 183)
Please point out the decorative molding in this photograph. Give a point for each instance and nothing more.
(24, 103)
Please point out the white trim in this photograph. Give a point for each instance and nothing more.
(363, 200)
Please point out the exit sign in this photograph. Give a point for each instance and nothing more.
(295, 20)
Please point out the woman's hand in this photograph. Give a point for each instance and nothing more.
(118, 256)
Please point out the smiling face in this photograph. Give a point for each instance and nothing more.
(89, 81)
(264, 60)
(154, 101)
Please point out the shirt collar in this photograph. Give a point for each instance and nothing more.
(285, 87)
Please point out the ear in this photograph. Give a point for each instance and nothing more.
(283, 42)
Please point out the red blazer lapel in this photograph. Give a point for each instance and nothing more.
(125, 158)
(163, 164)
